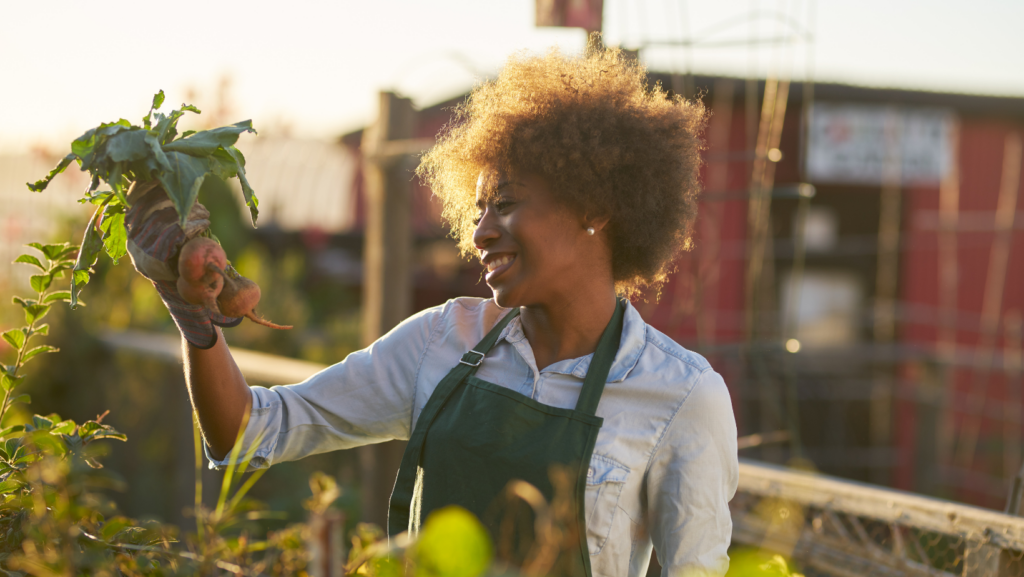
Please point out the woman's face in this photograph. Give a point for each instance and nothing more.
(535, 249)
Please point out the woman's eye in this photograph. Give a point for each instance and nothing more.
(504, 205)
(479, 217)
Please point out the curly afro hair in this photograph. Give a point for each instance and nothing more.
(609, 144)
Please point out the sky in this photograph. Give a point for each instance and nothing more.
(312, 69)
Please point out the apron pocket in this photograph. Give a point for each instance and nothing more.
(605, 479)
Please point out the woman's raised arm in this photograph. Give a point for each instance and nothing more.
(218, 392)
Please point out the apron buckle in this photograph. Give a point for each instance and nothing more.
(472, 364)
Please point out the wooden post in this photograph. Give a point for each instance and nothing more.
(992, 302)
(886, 275)
(709, 223)
(387, 279)
(949, 220)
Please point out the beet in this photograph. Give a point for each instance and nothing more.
(202, 292)
(239, 298)
(199, 264)
(196, 255)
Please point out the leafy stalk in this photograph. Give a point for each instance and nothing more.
(55, 261)
(121, 154)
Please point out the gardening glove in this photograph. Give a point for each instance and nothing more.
(154, 239)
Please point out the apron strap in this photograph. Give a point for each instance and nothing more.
(604, 356)
(404, 491)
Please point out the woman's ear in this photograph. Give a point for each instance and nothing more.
(598, 223)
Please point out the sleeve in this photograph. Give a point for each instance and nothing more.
(692, 478)
(365, 399)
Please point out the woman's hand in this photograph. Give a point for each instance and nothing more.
(154, 239)
(219, 393)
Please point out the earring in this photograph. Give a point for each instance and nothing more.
(590, 230)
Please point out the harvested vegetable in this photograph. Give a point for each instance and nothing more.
(239, 298)
(123, 155)
(200, 279)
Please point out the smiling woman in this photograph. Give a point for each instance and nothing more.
(575, 183)
(608, 144)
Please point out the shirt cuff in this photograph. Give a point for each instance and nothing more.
(261, 431)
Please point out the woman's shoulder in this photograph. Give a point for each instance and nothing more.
(675, 351)
(656, 347)
(466, 317)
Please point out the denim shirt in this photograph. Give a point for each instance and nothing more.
(664, 466)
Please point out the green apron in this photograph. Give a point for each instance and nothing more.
(473, 437)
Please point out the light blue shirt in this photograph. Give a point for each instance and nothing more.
(664, 467)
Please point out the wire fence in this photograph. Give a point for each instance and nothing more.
(834, 527)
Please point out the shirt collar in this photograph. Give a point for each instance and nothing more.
(634, 336)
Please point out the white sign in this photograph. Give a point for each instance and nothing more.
(865, 144)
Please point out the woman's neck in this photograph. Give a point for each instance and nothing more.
(569, 328)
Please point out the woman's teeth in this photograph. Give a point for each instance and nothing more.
(499, 262)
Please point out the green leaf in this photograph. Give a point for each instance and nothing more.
(91, 431)
(40, 282)
(23, 302)
(158, 100)
(118, 183)
(35, 312)
(40, 185)
(53, 252)
(128, 145)
(29, 259)
(101, 197)
(13, 428)
(10, 485)
(188, 133)
(11, 447)
(166, 126)
(247, 192)
(41, 423)
(63, 428)
(112, 527)
(50, 444)
(15, 338)
(207, 142)
(42, 329)
(115, 235)
(7, 382)
(183, 181)
(38, 351)
(19, 399)
(160, 161)
(90, 144)
(57, 296)
(453, 543)
(229, 162)
(91, 246)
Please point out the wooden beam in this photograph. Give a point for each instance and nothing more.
(880, 503)
(387, 268)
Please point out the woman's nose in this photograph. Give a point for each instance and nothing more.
(486, 231)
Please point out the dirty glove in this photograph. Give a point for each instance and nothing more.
(154, 239)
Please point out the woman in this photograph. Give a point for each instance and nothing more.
(575, 184)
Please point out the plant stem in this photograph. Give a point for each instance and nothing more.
(18, 362)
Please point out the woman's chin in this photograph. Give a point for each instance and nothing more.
(503, 298)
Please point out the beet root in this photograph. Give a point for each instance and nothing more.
(199, 265)
(203, 292)
(195, 257)
(239, 298)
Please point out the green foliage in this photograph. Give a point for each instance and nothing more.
(453, 543)
(121, 154)
(759, 563)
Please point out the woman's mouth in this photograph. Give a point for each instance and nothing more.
(499, 265)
